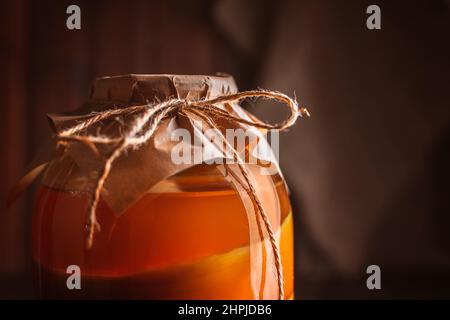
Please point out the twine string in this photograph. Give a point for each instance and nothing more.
(144, 126)
(256, 201)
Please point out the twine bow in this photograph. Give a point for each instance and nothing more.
(144, 126)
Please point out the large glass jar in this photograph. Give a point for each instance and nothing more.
(190, 236)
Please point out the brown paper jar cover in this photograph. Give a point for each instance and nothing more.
(168, 231)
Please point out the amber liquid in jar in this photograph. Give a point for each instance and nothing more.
(187, 238)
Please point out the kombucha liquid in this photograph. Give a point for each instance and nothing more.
(188, 238)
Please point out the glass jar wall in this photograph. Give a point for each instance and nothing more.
(186, 238)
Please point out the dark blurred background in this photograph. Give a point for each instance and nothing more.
(369, 171)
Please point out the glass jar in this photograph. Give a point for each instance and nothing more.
(190, 236)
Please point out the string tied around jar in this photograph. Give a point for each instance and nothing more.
(149, 117)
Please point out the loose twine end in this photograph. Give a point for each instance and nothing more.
(144, 126)
(304, 112)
